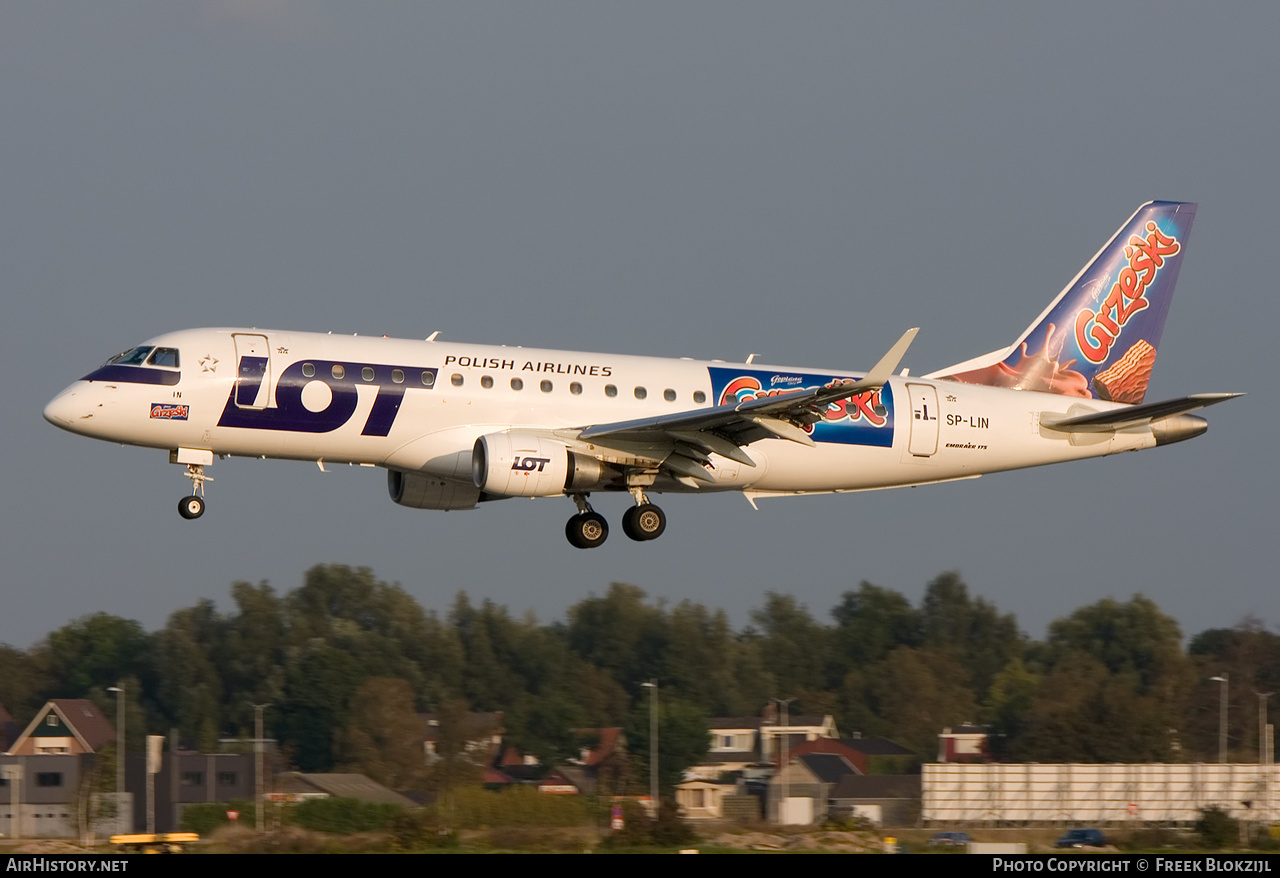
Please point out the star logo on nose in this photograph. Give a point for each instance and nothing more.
(208, 364)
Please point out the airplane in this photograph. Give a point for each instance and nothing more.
(455, 425)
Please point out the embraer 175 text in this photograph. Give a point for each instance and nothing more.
(458, 424)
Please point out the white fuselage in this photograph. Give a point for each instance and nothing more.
(419, 407)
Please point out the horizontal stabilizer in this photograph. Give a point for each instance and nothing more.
(1130, 416)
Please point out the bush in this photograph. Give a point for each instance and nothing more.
(345, 816)
(419, 830)
(1217, 828)
(205, 817)
(476, 808)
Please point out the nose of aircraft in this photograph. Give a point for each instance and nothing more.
(65, 409)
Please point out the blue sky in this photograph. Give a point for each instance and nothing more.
(802, 181)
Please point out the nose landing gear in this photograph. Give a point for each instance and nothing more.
(192, 507)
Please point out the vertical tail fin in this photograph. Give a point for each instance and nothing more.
(1098, 338)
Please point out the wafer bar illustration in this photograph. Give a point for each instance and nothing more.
(1126, 379)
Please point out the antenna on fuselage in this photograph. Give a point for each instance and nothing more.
(432, 336)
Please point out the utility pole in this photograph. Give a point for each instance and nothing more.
(258, 807)
(121, 825)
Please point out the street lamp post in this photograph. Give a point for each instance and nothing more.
(120, 821)
(1222, 717)
(652, 686)
(782, 759)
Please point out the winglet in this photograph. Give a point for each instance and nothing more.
(883, 370)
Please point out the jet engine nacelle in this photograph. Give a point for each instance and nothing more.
(521, 465)
(430, 492)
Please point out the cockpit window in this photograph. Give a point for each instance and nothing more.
(164, 357)
(131, 357)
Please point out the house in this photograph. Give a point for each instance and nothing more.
(701, 799)
(45, 766)
(885, 800)
(801, 789)
(867, 755)
(298, 786)
(966, 743)
(601, 768)
(72, 726)
(742, 744)
(481, 734)
(188, 778)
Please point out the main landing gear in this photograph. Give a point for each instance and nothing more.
(193, 507)
(588, 529)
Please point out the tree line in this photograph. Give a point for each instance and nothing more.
(346, 660)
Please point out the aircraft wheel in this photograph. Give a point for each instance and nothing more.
(191, 507)
(644, 522)
(587, 530)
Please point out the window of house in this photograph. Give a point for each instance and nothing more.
(226, 778)
(192, 778)
(48, 778)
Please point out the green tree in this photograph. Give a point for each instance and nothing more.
(870, 623)
(621, 634)
(682, 741)
(385, 735)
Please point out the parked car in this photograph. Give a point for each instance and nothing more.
(1082, 838)
(949, 839)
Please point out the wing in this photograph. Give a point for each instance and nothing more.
(680, 443)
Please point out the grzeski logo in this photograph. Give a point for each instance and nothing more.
(163, 411)
(530, 464)
(1097, 331)
(861, 406)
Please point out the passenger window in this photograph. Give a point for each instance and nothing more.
(517, 384)
(486, 382)
(610, 390)
(455, 379)
(641, 393)
(308, 370)
(428, 379)
(367, 373)
(546, 386)
(338, 371)
(669, 395)
(575, 388)
(397, 375)
(699, 397)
